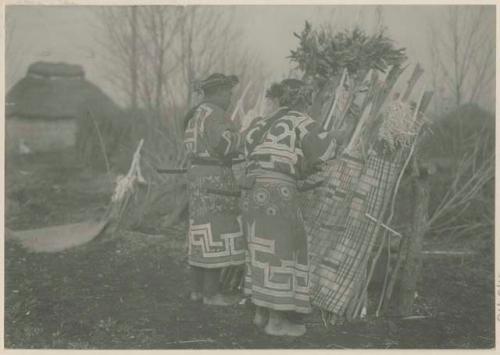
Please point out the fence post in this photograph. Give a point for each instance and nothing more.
(412, 245)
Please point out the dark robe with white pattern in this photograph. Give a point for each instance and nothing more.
(215, 231)
(280, 150)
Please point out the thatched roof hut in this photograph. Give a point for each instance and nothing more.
(61, 70)
(57, 92)
(54, 108)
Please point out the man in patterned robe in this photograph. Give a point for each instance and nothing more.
(215, 235)
(280, 149)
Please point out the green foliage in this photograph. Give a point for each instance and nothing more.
(322, 54)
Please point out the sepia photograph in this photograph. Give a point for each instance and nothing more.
(236, 176)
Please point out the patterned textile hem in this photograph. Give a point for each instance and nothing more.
(216, 265)
(283, 307)
(258, 296)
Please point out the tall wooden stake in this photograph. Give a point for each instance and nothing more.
(412, 246)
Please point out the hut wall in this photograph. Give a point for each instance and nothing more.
(40, 135)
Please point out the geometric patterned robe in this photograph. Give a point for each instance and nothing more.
(280, 149)
(215, 235)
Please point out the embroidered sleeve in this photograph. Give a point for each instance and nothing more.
(223, 138)
(253, 134)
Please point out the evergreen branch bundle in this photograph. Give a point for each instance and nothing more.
(321, 55)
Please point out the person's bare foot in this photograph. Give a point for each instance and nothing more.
(279, 325)
(260, 318)
(221, 300)
(195, 296)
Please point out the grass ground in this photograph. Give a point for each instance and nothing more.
(131, 292)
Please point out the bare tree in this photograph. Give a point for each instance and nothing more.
(160, 28)
(118, 36)
(136, 41)
(181, 44)
(463, 53)
(157, 53)
(463, 56)
(209, 42)
(202, 41)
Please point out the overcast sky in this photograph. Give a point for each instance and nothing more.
(67, 33)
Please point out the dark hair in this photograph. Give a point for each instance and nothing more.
(212, 90)
(291, 92)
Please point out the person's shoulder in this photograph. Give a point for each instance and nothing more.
(300, 118)
(299, 115)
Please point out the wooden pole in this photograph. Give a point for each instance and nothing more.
(418, 170)
(417, 73)
(412, 246)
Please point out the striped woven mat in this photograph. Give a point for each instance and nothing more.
(340, 235)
